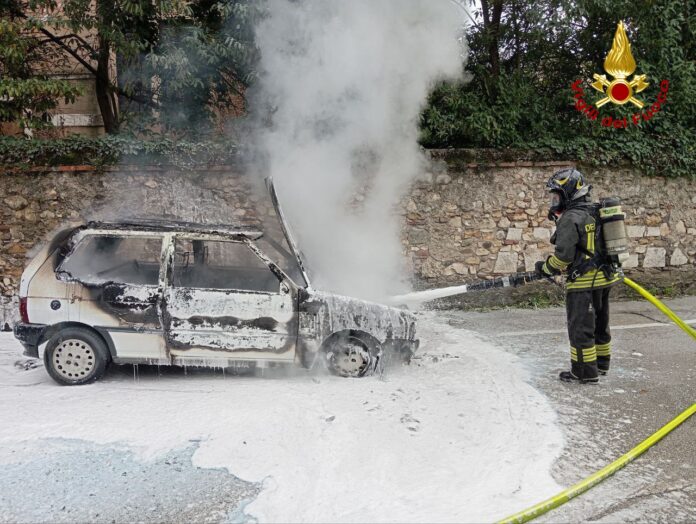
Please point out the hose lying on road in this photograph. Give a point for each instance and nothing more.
(659, 305)
(582, 486)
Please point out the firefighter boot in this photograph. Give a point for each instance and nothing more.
(583, 367)
(603, 358)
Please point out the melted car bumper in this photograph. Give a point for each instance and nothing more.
(30, 336)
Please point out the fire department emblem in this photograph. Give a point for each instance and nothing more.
(620, 65)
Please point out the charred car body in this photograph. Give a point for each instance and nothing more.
(183, 294)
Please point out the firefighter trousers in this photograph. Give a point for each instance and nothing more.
(588, 331)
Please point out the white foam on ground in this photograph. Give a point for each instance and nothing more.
(457, 436)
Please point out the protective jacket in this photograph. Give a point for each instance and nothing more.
(576, 242)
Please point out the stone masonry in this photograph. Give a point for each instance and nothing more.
(463, 221)
(484, 220)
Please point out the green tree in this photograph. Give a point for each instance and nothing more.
(165, 61)
(202, 62)
(27, 94)
(525, 101)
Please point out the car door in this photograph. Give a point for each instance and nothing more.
(120, 291)
(222, 301)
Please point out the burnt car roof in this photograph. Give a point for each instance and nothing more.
(168, 226)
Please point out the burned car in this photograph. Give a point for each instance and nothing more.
(182, 294)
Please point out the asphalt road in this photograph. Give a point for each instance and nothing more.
(653, 379)
(68, 480)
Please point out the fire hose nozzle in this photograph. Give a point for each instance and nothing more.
(514, 280)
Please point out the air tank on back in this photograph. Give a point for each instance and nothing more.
(614, 229)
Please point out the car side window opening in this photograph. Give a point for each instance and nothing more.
(279, 252)
(101, 259)
(209, 264)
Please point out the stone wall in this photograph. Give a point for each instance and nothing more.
(464, 221)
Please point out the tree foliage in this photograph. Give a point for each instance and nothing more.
(111, 149)
(524, 57)
(203, 61)
(27, 95)
(167, 65)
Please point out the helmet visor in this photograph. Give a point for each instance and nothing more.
(556, 200)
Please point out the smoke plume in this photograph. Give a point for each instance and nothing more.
(344, 82)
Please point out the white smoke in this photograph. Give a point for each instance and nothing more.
(347, 81)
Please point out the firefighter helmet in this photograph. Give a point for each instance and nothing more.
(566, 186)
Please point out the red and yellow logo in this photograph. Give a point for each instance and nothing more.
(621, 65)
(621, 88)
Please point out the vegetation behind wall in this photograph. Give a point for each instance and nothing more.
(523, 58)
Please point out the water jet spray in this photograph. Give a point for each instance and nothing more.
(520, 279)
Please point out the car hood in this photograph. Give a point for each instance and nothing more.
(345, 313)
(286, 230)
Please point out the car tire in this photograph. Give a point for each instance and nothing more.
(350, 356)
(76, 356)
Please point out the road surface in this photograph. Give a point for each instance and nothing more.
(477, 427)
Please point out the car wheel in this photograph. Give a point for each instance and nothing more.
(349, 356)
(76, 356)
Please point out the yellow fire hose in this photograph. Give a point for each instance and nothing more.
(582, 486)
(594, 479)
(659, 305)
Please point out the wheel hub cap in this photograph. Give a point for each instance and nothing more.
(351, 361)
(73, 359)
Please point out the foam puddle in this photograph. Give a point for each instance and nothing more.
(457, 436)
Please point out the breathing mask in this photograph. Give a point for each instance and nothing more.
(557, 205)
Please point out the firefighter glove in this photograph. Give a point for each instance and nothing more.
(544, 269)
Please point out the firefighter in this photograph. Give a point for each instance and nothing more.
(578, 255)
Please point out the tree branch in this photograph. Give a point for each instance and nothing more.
(59, 41)
(42, 42)
(233, 84)
(460, 5)
(484, 9)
